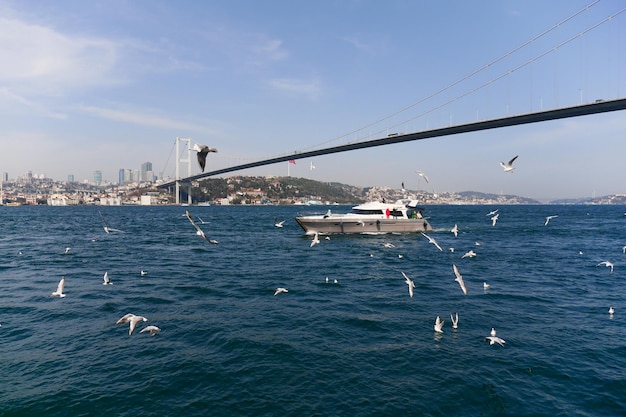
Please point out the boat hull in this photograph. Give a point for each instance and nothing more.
(344, 224)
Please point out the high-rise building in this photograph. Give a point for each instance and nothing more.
(97, 177)
(146, 172)
(5, 177)
(121, 177)
(70, 178)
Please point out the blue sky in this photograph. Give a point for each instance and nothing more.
(106, 85)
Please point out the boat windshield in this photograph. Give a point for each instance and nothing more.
(365, 212)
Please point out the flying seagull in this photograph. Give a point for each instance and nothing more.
(421, 174)
(508, 167)
(107, 281)
(316, 240)
(433, 241)
(455, 320)
(59, 291)
(279, 290)
(410, 283)
(455, 230)
(199, 231)
(492, 212)
(202, 150)
(607, 264)
(132, 320)
(278, 223)
(494, 219)
(469, 254)
(548, 219)
(438, 325)
(495, 339)
(152, 329)
(459, 279)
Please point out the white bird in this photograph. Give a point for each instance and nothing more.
(421, 174)
(279, 290)
(410, 283)
(199, 231)
(132, 320)
(607, 264)
(459, 279)
(143, 273)
(59, 291)
(389, 245)
(327, 280)
(152, 329)
(495, 339)
(107, 281)
(493, 331)
(469, 254)
(316, 240)
(438, 325)
(611, 310)
(486, 286)
(433, 241)
(491, 213)
(278, 223)
(624, 249)
(548, 219)
(67, 250)
(508, 167)
(311, 166)
(202, 150)
(494, 219)
(455, 230)
(455, 320)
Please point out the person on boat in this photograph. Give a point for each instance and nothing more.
(419, 214)
(387, 212)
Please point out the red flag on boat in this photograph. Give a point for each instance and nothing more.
(292, 161)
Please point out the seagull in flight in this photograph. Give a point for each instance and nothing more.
(469, 254)
(455, 230)
(421, 174)
(152, 329)
(132, 320)
(492, 212)
(459, 279)
(199, 231)
(494, 219)
(316, 240)
(279, 290)
(438, 325)
(202, 150)
(548, 219)
(433, 241)
(607, 264)
(107, 281)
(59, 291)
(278, 223)
(410, 283)
(455, 320)
(508, 167)
(495, 339)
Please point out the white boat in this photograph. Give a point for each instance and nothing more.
(371, 217)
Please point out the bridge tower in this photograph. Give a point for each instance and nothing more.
(184, 160)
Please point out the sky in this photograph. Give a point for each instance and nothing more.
(109, 85)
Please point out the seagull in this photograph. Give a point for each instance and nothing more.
(389, 245)
(469, 254)
(199, 231)
(486, 286)
(459, 278)
(132, 320)
(438, 325)
(495, 339)
(202, 150)
(335, 281)
(421, 174)
(548, 219)
(316, 240)
(611, 310)
(607, 264)
(624, 249)
(327, 280)
(59, 291)
(455, 230)
(494, 219)
(455, 320)
(143, 273)
(311, 166)
(493, 332)
(67, 250)
(508, 167)
(107, 281)
(152, 329)
(277, 223)
(279, 290)
(491, 213)
(433, 241)
(410, 283)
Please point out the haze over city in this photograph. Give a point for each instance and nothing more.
(90, 87)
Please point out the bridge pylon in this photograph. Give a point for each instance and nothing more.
(185, 160)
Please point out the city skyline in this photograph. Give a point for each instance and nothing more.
(86, 87)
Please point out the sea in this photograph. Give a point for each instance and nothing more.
(357, 345)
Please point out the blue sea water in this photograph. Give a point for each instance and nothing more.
(361, 347)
